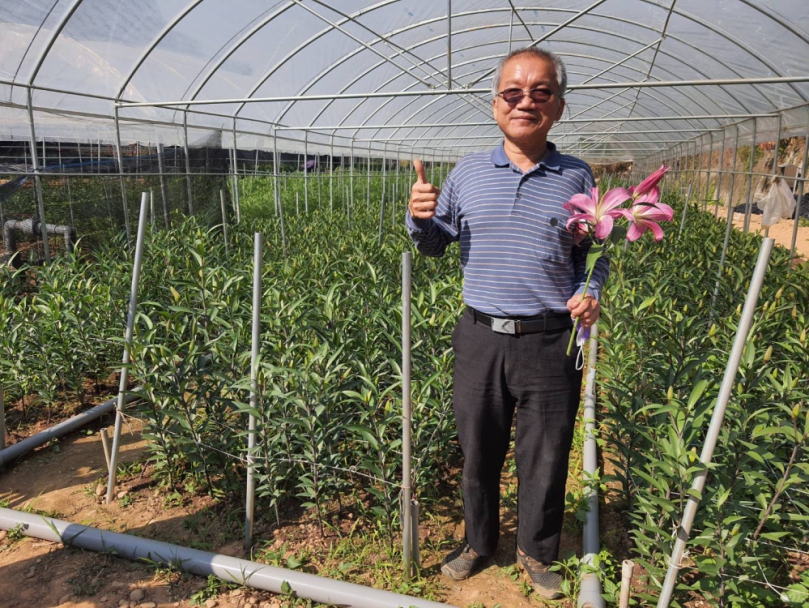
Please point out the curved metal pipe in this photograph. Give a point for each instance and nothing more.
(204, 563)
(21, 448)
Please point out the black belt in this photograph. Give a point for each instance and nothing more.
(548, 321)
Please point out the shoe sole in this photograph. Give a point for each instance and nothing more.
(546, 594)
(456, 576)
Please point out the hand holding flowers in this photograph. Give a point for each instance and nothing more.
(595, 217)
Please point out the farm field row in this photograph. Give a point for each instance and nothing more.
(329, 415)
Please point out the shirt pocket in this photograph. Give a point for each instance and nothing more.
(556, 241)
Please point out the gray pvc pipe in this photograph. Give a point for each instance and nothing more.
(717, 418)
(590, 590)
(203, 563)
(34, 227)
(250, 501)
(12, 452)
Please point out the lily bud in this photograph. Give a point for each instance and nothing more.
(779, 293)
(803, 336)
(768, 354)
(670, 394)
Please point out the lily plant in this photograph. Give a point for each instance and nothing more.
(595, 216)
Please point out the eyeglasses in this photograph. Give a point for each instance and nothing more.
(514, 96)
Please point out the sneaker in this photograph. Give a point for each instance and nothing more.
(462, 563)
(546, 583)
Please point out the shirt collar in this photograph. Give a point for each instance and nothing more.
(552, 160)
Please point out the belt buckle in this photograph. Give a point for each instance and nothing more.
(504, 326)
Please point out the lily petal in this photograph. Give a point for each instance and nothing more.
(655, 228)
(650, 182)
(604, 227)
(614, 198)
(635, 231)
(583, 203)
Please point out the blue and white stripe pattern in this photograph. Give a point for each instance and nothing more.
(518, 259)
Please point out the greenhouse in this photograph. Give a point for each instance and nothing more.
(231, 349)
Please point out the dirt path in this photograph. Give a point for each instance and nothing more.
(61, 480)
(781, 232)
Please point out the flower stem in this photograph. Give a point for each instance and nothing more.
(583, 295)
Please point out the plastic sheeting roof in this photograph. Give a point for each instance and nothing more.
(83, 56)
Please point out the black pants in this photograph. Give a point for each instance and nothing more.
(494, 375)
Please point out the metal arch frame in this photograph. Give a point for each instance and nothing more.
(148, 51)
(731, 39)
(427, 41)
(423, 23)
(684, 14)
(56, 33)
(453, 109)
(402, 51)
(471, 61)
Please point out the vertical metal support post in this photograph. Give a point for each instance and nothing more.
(717, 418)
(331, 175)
(251, 433)
(306, 172)
(382, 200)
(2, 419)
(187, 164)
(685, 208)
(236, 202)
(775, 159)
(130, 330)
(37, 177)
(407, 494)
(801, 187)
(224, 218)
(368, 189)
(275, 169)
(728, 227)
(708, 174)
(163, 192)
(719, 175)
(120, 159)
(749, 207)
(351, 194)
(449, 44)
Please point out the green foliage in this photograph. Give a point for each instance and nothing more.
(663, 353)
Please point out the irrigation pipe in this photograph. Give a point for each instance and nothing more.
(204, 563)
(12, 452)
(590, 590)
(130, 330)
(717, 418)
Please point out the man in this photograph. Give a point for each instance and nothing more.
(523, 281)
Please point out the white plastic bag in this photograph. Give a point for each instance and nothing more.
(777, 204)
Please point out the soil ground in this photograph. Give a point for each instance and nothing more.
(60, 480)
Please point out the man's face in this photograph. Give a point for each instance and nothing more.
(527, 122)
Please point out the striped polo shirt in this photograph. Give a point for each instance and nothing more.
(518, 259)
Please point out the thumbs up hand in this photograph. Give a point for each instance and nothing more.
(423, 195)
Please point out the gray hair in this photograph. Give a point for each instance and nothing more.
(558, 64)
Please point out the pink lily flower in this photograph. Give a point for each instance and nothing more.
(649, 183)
(594, 214)
(645, 214)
